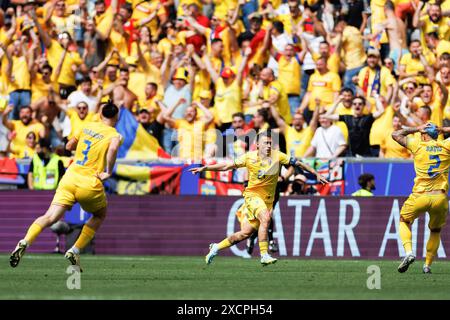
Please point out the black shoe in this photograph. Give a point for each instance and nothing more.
(250, 246)
(273, 247)
(426, 269)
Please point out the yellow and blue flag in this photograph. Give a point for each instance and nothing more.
(138, 144)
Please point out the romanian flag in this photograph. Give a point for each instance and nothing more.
(138, 144)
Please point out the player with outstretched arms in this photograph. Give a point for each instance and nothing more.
(263, 167)
(96, 147)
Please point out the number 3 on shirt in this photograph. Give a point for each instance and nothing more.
(434, 166)
(85, 152)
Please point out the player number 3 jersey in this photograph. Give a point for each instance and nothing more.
(93, 143)
(431, 163)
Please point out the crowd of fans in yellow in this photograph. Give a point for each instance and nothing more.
(335, 78)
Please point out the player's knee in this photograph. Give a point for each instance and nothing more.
(435, 230)
(264, 217)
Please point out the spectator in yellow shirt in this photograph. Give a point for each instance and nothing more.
(18, 74)
(433, 21)
(324, 86)
(190, 131)
(78, 116)
(272, 91)
(20, 128)
(228, 99)
(352, 52)
(55, 50)
(149, 103)
(390, 148)
(290, 74)
(375, 78)
(415, 64)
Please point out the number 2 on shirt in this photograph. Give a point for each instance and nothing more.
(434, 166)
(85, 152)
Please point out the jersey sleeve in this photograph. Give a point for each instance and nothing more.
(240, 161)
(284, 158)
(411, 144)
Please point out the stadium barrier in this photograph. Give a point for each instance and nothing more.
(392, 177)
(305, 227)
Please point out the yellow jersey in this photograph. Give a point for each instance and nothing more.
(323, 87)
(21, 73)
(262, 173)
(333, 61)
(190, 137)
(290, 74)
(353, 52)
(76, 123)
(431, 163)
(18, 143)
(391, 148)
(366, 78)
(282, 103)
(228, 100)
(93, 144)
(67, 75)
(297, 142)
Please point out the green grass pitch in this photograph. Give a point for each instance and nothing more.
(118, 277)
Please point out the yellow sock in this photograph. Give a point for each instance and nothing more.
(432, 247)
(263, 247)
(87, 233)
(33, 231)
(406, 236)
(225, 243)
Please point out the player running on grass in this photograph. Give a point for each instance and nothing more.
(429, 194)
(263, 166)
(96, 149)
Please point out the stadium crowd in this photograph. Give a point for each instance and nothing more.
(335, 78)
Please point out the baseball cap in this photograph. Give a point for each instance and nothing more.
(181, 73)
(227, 73)
(205, 94)
(373, 52)
(132, 60)
(255, 15)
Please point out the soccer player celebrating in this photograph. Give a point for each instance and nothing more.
(263, 166)
(96, 147)
(429, 194)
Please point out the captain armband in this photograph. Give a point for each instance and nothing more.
(292, 161)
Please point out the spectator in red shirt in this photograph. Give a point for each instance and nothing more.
(197, 40)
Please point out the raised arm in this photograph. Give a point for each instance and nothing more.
(212, 72)
(416, 18)
(8, 124)
(400, 135)
(379, 106)
(308, 168)
(45, 37)
(247, 53)
(444, 92)
(197, 26)
(335, 105)
(168, 115)
(150, 17)
(276, 115)
(165, 70)
(207, 115)
(60, 64)
(214, 167)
